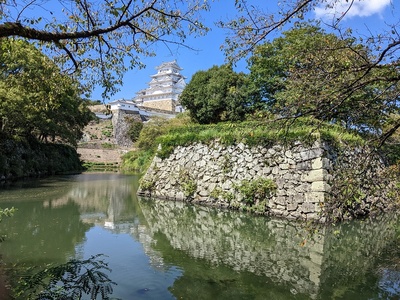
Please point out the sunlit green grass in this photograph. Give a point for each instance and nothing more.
(169, 134)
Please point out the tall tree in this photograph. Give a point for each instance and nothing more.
(308, 71)
(94, 39)
(36, 99)
(255, 25)
(218, 94)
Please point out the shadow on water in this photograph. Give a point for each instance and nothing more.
(165, 250)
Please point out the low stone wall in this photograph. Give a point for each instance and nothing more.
(214, 174)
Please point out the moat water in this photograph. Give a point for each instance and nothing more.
(171, 250)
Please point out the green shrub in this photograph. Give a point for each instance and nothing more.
(189, 185)
(108, 146)
(147, 143)
(254, 133)
(137, 161)
(135, 127)
(256, 190)
(225, 195)
(148, 185)
(106, 133)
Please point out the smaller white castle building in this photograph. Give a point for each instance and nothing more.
(124, 105)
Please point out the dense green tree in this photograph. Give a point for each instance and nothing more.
(310, 72)
(254, 25)
(36, 99)
(99, 40)
(218, 94)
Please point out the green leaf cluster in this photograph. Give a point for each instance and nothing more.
(71, 280)
(147, 142)
(218, 94)
(36, 99)
(98, 41)
(135, 127)
(307, 71)
(256, 190)
(188, 183)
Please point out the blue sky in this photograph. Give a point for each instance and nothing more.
(366, 16)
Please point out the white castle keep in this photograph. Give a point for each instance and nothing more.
(164, 89)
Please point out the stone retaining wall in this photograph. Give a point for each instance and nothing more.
(164, 105)
(211, 174)
(121, 126)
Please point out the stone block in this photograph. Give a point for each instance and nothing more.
(227, 185)
(180, 196)
(304, 165)
(302, 188)
(315, 175)
(203, 193)
(271, 152)
(311, 154)
(321, 163)
(291, 192)
(320, 186)
(299, 198)
(276, 212)
(316, 258)
(266, 171)
(284, 166)
(288, 154)
(292, 206)
(206, 178)
(307, 207)
(315, 197)
(196, 157)
(287, 175)
(280, 200)
(275, 170)
(170, 195)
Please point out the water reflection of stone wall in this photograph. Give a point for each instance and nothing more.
(282, 250)
(270, 247)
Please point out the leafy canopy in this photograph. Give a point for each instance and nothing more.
(36, 100)
(310, 72)
(255, 24)
(99, 40)
(218, 94)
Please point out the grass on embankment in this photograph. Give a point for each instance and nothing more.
(264, 132)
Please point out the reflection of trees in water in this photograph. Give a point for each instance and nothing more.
(54, 216)
(353, 254)
(339, 257)
(49, 223)
(101, 194)
(40, 234)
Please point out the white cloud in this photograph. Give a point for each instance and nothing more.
(359, 8)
